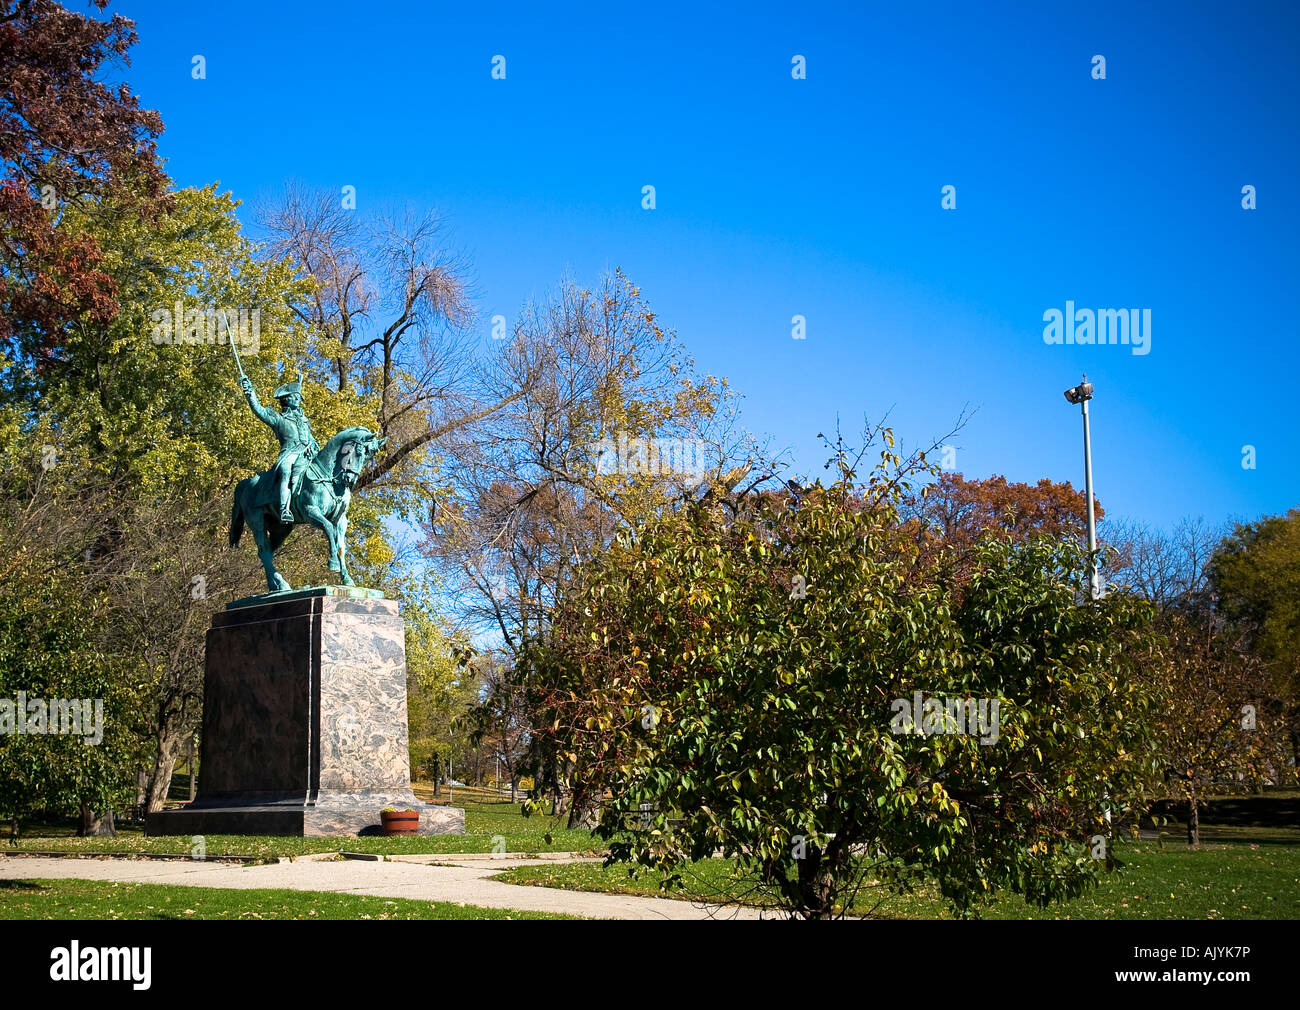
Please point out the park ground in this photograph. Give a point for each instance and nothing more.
(508, 866)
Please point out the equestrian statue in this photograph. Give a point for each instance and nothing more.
(308, 483)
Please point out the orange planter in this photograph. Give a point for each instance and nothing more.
(399, 822)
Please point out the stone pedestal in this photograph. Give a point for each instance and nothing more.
(304, 721)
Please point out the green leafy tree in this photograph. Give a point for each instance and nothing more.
(735, 686)
(56, 631)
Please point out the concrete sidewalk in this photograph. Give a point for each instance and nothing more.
(454, 878)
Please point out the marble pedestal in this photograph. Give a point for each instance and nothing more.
(304, 721)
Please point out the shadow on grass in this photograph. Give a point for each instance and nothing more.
(1271, 818)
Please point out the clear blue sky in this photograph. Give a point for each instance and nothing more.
(821, 197)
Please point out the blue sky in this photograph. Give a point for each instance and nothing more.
(821, 197)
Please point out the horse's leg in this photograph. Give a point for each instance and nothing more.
(343, 549)
(274, 580)
(315, 515)
(335, 564)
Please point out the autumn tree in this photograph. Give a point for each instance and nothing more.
(1219, 724)
(539, 485)
(503, 721)
(67, 137)
(730, 683)
(1255, 574)
(1216, 719)
(948, 516)
(612, 424)
(1168, 567)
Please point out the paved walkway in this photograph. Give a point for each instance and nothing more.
(454, 878)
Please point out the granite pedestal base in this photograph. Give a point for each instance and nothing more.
(304, 722)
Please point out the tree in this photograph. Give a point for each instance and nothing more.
(545, 482)
(66, 137)
(1216, 722)
(441, 685)
(539, 487)
(502, 718)
(55, 649)
(950, 516)
(389, 305)
(1256, 575)
(735, 684)
(1168, 568)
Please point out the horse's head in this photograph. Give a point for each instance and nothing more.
(356, 450)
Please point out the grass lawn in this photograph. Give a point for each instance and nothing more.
(487, 820)
(93, 899)
(1212, 882)
(1247, 867)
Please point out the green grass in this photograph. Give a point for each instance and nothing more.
(1247, 868)
(1212, 882)
(486, 819)
(92, 899)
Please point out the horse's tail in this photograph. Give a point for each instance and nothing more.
(237, 514)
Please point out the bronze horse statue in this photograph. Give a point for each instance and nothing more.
(321, 498)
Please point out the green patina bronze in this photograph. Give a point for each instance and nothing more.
(308, 483)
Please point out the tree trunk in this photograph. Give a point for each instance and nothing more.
(160, 776)
(583, 812)
(93, 824)
(816, 890)
(1193, 821)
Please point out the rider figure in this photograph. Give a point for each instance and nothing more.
(291, 427)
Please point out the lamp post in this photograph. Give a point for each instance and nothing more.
(1081, 394)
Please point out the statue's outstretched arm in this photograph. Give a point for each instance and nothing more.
(250, 394)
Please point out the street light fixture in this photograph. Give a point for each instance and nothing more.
(1081, 394)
